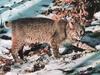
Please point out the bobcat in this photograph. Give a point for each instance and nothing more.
(32, 30)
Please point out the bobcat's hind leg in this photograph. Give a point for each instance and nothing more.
(16, 46)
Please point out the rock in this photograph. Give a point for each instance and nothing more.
(68, 48)
(90, 68)
(32, 49)
(90, 41)
(2, 31)
(4, 61)
(88, 71)
(38, 66)
(69, 71)
(1, 26)
(6, 68)
(5, 37)
(74, 57)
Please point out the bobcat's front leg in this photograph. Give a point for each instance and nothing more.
(55, 47)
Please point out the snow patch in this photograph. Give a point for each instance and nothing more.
(97, 47)
(93, 28)
(11, 73)
(61, 50)
(5, 43)
(97, 15)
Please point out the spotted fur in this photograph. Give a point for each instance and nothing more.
(32, 30)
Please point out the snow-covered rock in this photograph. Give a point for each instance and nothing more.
(95, 28)
(97, 15)
(34, 6)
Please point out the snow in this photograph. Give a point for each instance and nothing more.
(54, 66)
(5, 43)
(90, 59)
(3, 2)
(54, 72)
(96, 23)
(97, 15)
(61, 50)
(16, 12)
(97, 47)
(94, 28)
(3, 50)
(78, 62)
(26, 48)
(11, 73)
(4, 46)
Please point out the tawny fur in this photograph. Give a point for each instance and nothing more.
(32, 30)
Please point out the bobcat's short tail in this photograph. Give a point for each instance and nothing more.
(8, 24)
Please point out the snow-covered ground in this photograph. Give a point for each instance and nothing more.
(75, 63)
(29, 8)
(56, 67)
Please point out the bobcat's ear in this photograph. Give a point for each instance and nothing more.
(8, 24)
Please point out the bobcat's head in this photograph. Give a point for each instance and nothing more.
(74, 30)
